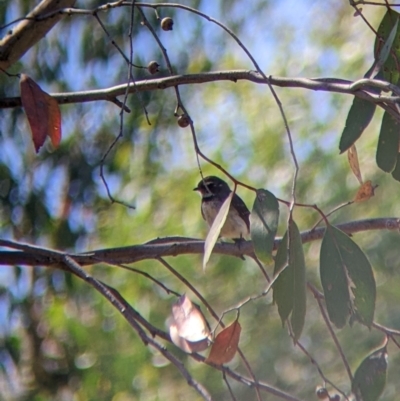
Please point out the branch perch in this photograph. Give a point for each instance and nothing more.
(358, 88)
(35, 256)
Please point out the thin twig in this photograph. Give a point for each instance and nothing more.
(321, 373)
(319, 298)
(123, 307)
(213, 314)
(151, 278)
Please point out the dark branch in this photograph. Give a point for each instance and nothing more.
(35, 256)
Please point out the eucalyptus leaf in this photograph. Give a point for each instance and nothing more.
(370, 377)
(264, 220)
(384, 52)
(282, 287)
(289, 289)
(347, 279)
(360, 115)
(387, 29)
(388, 143)
(298, 265)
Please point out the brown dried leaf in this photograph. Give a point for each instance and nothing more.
(43, 113)
(54, 125)
(353, 161)
(365, 192)
(225, 345)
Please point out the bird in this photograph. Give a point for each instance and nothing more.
(214, 191)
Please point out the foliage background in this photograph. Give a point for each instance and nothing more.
(59, 339)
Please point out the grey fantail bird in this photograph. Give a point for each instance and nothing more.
(214, 191)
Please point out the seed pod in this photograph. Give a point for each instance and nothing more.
(322, 393)
(152, 67)
(183, 120)
(167, 24)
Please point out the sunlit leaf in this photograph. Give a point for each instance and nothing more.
(370, 377)
(388, 143)
(289, 289)
(264, 220)
(42, 111)
(387, 28)
(365, 192)
(215, 229)
(347, 279)
(353, 162)
(360, 115)
(225, 345)
(188, 327)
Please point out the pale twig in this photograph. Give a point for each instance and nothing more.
(331, 212)
(151, 278)
(321, 84)
(261, 267)
(387, 330)
(120, 134)
(190, 286)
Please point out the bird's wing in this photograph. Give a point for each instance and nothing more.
(242, 209)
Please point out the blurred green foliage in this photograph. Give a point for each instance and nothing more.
(59, 339)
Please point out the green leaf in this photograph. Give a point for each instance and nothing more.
(347, 279)
(282, 286)
(388, 143)
(297, 263)
(384, 51)
(388, 26)
(264, 220)
(370, 378)
(360, 115)
(289, 289)
(396, 171)
(334, 280)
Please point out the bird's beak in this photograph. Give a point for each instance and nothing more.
(195, 189)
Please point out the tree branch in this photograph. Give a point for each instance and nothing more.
(360, 88)
(36, 256)
(29, 31)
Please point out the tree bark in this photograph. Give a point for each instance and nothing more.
(28, 32)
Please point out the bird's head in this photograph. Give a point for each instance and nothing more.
(211, 186)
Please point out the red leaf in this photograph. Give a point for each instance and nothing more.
(54, 125)
(225, 345)
(43, 113)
